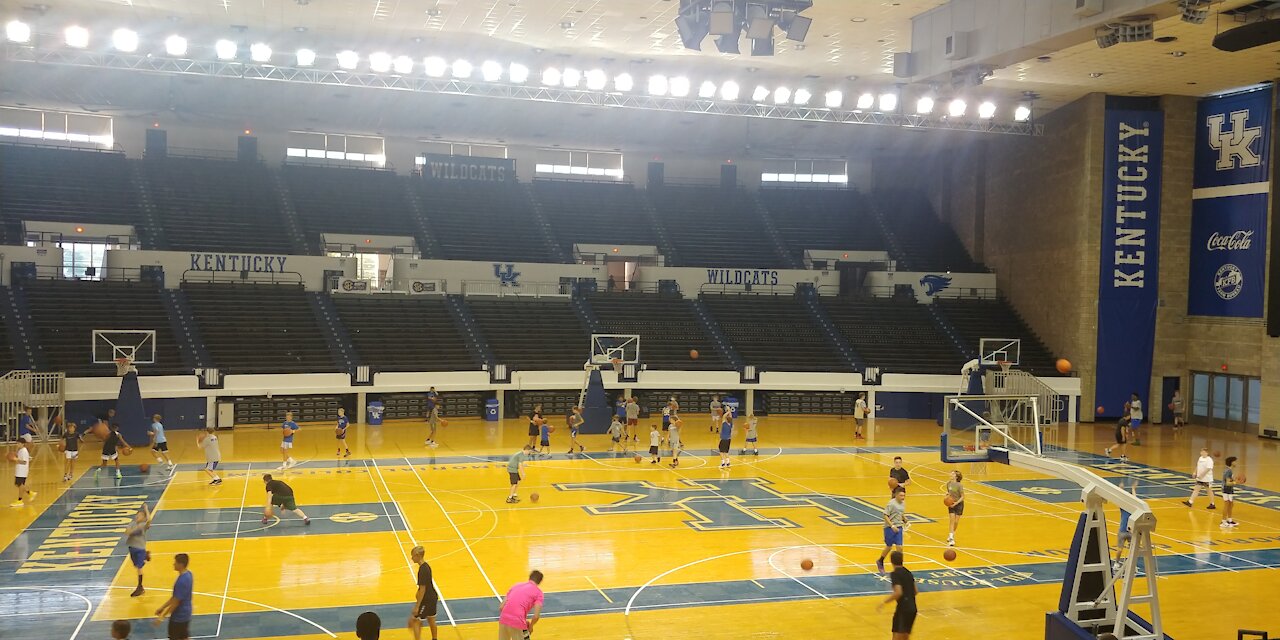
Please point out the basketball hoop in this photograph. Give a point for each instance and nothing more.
(124, 366)
(617, 365)
(1004, 365)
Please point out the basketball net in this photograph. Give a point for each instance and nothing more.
(124, 366)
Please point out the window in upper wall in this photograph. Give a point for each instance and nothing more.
(461, 149)
(582, 164)
(805, 172)
(57, 126)
(321, 147)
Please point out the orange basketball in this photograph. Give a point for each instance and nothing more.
(144, 468)
(1101, 409)
(949, 501)
(11, 456)
(638, 458)
(533, 497)
(62, 446)
(1063, 365)
(693, 354)
(100, 430)
(949, 555)
(128, 451)
(551, 429)
(806, 564)
(893, 483)
(1240, 479)
(1217, 454)
(288, 432)
(616, 360)
(444, 422)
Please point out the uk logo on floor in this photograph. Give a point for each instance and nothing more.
(720, 505)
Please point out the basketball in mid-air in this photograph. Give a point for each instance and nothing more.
(1101, 409)
(806, 564)
(1063, 365)
(693, 354)
(949, 555)
(444, 422)
(1217, 454)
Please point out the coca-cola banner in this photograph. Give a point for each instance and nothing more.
(1229, 208)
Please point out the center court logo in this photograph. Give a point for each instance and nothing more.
(1234, 146)
(934, 284)
(1228, 282)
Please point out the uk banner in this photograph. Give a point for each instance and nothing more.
(1133, 148)
(1229, 206)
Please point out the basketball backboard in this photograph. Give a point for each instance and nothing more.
(994, 351)
(605, 347)
(137, 345)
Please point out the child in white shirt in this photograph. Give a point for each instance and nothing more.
(1204, 479)
(655, 441)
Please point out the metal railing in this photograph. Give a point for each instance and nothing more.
(251, 277)
(22, 388)
(349, 249)
(750, 289)
(1017, 382)
(104, 274)
(523, 289)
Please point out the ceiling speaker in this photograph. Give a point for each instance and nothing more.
(1254, 34)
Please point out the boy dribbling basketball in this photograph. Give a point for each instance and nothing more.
(287, 428)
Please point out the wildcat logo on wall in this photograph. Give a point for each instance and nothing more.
(506, 274)
(1235, 147)
(934, 284)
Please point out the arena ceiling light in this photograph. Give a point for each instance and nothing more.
(802, 97)
(956, 108)
(435, 66)
(924, 105)
(571, 78)
(781, 95)
(175, 45)
(888, 101)
(402, 65)
(987, 110)
(225, 49)
(551, 77)
(17, 31)
(125, 40)
(491, 71)
(305, 57)
(461, 68)
(680, 86)
(707, 90)
(1021, 113)
(77, 37)
(518, 73)
(865, 100)
(624, 82)
(759, 94)
(834, 99)
(259, 52)
(348, 59)
(658, 85)
(380, 62)
(597, 79)
(729, 90)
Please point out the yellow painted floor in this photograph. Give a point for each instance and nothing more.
(630, 550)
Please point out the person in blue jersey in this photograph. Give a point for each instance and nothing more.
(26, 426)
(726, 436)
(178, 607)
(622, 417)
(287, 428)
(340, 432)
(159, 442)
(136, 542)
(433, 416)
(544, 445)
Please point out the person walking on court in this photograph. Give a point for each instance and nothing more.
(159, 442)
(859, 414)
(535, 425)
(26, 426)
(544, 441)
(433, 416)
(136, 541)
(1122, 440)
(424, 606)
(1135, 418)
(655, 444)
(178, 607)
(280, 495)
(522, 600)
(1203, 476)
(673, 438)
(70, 450)
(895, 518)
(955, 491)
(575, 423)
(21, 460)
(340, 433)
(615, 435)
(212, 454)
(111, 446)
(287, 428)
(1229, 491)
(515, 470)
(1179, 410)
(726, 438)
(904, 594)
(633, 418)
(899, 473)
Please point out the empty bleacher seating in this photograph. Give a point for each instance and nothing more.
(353, 201)
(532, 334)
(978, 319)
(897, 335)
(259, 328)
(65, 313)
(405, 333)
(66, 185)
(926, 243)
(483, 221)
(216, 205)
(8, 361)
(773, 332)
(667, 327)
(833, 219)
(595, 213)
(714, 227)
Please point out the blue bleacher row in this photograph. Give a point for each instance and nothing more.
(210, 205)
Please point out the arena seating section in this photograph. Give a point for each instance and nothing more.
(714, 227)
(483, 221)
(216, 205)
(355, 201)
(978, 319)
(65, 313)
(259, 328)
(601, 213)
(532, 334)
(405, 333)
(773, 332)
(667, 327)
(895, 334)
(60, 185)
(845, 220)
(926, 243)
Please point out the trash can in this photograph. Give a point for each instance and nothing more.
(376, 409)
(731, 405)
(491, 410)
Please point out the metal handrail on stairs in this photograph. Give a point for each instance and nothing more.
(22, 388)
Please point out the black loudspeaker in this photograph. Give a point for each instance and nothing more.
(22, 271)
(247, 149)
(157, 143)
(728, 176)
(657, 172)
(1254, 34)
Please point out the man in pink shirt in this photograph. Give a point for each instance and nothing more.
(520, 600)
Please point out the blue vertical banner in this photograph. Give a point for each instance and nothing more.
(1133, 148)
(1229, 206)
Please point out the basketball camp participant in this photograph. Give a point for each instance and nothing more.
(535, 425)
(212, 454)
(859, 414)
(895, 519)
(433, 416)
(26, 426)
(615, 435)
(900, 474)
(904, 594)
(655, 444)
(111, 446)
(1229, 483)
(726, 437)
(575, 423)
(522, 599)
(673, 439)
(178, 607)
(21, 460)
(717, 410)
(159, 442)
(1204, 479)
(136, 541)
(753, 435)
(1122, 439)
(633, 418)
(544, 441)
(340, 432)
(287, 429)
(70, 450)
(1179, 410)
(955, 491)
(424, 605)
(280, 495)
(622, 416)
(515, 471)
(1135, 418)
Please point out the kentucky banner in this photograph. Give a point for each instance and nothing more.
(1133, 148)
(1229, 208)
(444, 167)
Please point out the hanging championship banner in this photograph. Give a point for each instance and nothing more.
(443, 167)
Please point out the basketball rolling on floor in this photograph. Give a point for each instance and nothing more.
(630, 550)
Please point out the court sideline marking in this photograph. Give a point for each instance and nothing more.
(235, 540)
(456, 530)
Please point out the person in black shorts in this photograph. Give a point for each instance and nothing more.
(899, 473)
(280, 495)
(424, 607)
(535, 426)
(1122, 440)
(904, 593)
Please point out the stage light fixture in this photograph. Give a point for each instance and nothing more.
(888, 101)
(517, 73)
(77, 37)
(175, 45)
(305, 57)
(924, 105)
(723, 21)
(693, 25)
(17, 31)
(1022, 113)
(571, 78)
(491, 71)
(551, 77)
(680, 86)
(435, 66)
(461, 68)
(865, 100)
(658, 85)
(402, 65)
(956, 108)
(729, 90)
(834, 99)
(380, 61)
(348, 59)
(624, 82)
(987, 110)
(1105, 37)
(781, 95)
(798, 28)
(801, 97)
(759, 23)
(707, 90)
(125, 40)
(759, 94)
(225, 49)
(727, 44)
(259, 52)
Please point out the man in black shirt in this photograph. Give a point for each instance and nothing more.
(424, 607)
(904, 593)
(280, 495)
(899, 473)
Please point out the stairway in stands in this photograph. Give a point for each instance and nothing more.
(789, 259)
(427, 243)
(809, 298)
(466, 324)
(334, 333)
(190, 344)
(24, 352)
(292, 223)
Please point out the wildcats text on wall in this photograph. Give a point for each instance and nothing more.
(443, 167)
(1133, 149)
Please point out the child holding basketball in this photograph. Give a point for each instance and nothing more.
(111, 446)
(1229, 483)
(340, 432)
(900, 475)
(655, 441)
(955, 506)
(70, 450)
(575, 423)
(753, 435)
(673, 438)
(287, 428)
